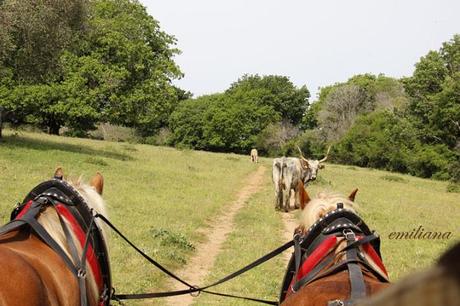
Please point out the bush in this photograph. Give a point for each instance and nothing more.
(430, 161)
(386, 141)
(312, 144)
(453, 187)
(110, 132)
(275, 138)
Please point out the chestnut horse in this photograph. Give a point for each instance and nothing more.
(337, 258)
(41, 249)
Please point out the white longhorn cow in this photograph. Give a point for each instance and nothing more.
(286, 174)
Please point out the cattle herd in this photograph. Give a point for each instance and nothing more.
(287, 172)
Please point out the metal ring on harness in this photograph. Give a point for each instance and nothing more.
(195, 293)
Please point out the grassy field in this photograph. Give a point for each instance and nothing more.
(164, 199)
(158, 196)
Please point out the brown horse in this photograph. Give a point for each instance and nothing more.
(337, 259)
(33, 271)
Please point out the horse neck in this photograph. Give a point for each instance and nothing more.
(50, 221)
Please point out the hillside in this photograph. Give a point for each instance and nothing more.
(165, 200)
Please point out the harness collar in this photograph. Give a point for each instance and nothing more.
(71, 206)
(312, 250)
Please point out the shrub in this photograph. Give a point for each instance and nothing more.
(384, 140)
(274, 138)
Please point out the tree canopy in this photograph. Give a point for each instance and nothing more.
(234, 120)
(277, 92)
(76, 63)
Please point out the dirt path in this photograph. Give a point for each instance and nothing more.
(290, 223)
(203, 261)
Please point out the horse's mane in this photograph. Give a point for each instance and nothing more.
(323, 203)
(50, 221)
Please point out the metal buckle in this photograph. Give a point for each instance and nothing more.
(104, 297)
(81, 273)
(298, 238)
(349, 234)
(335, 303)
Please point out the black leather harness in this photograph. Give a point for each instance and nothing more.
(51, 193)
(340, 223)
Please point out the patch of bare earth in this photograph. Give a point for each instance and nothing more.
(290, 223)
(202, 262)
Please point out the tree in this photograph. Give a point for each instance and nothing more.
(275, 136)
(110, 62)
(341, 107)
(219, 123)
(6, 40)
(36, 34)
(338, 104)
(275, 91)
(433, 89)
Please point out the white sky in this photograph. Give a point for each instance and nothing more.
(315, 43)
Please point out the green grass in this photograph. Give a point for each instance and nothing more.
(396, 203)
(147, 189)
(164, 199)
(393, 178)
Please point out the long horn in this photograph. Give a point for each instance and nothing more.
(301, 154)
(325, 157)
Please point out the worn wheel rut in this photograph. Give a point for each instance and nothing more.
(290, 223)
(202, 262)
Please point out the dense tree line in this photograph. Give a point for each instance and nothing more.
(235, 120)
(411, 125)
(78, 63)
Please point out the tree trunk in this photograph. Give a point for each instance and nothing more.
(1, 121)
(53, 127)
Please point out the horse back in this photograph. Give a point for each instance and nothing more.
(32, 274)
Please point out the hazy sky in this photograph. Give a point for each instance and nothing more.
(315, 43)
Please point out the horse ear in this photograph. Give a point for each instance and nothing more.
(352, 195)
(304, 198)
(58, 173)
(98, 182)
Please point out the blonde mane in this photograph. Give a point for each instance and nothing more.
(50, 221)
(321, 205)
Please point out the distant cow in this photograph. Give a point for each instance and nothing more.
(254, 156)
(287, 172)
